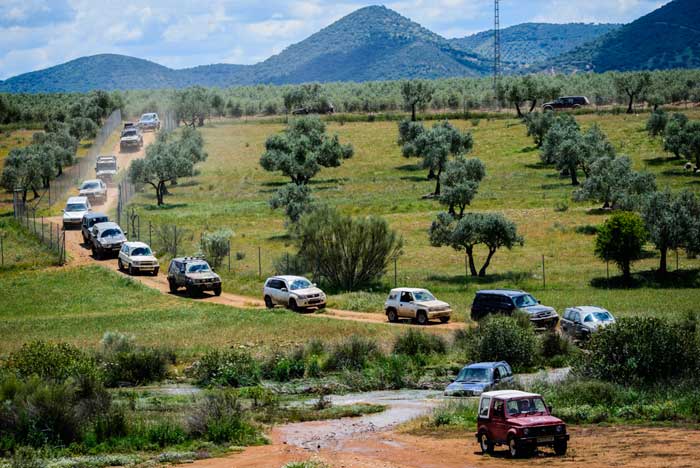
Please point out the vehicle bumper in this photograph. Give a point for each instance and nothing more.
(541, 441)
(463, 393)
(72, 223)
(439, 314)
(146, 267)
(319, 302)
(148, 127)
(129, 144)
(110, 248)
(545, 323)
(204, 286)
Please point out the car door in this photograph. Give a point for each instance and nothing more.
(124, 254)
(506, 375)
(406, 305)
(576, 325)
(275, 285)
(498, 421)
(283, 292)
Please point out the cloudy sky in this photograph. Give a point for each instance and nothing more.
(35, 34)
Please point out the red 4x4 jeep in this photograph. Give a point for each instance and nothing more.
(519, 420)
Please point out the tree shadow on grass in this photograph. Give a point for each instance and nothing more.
(679, 172)
(529, 149)
(513, 277)
(660, 160)
(555, 186)
(166, 206)
(280, 237)
(538, 165)
(414, 178)
(275, 183)
(409, 167)
(678, 279)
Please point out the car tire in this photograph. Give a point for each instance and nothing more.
(191, 291)
(444, 319)
(131, 270)
(392, 316)
(485, 444)
(293, 305)
(422, 318)
(217, 291)
(548, 109)
(172, 285)
(513, 449)
(85, 241)
(155, 272)
(95, 253)
(560, 448)
(120, 265)
(268, 303)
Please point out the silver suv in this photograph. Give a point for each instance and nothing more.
(95, 190)
(294, 292)
(417, 304)
(106, 238)
(194, 274)
(137, 257)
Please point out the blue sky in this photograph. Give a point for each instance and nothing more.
(35, 34)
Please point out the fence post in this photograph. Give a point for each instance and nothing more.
(175, 240)
(34, 221)
(544, 280)
(2, 253)
(229, 255)
(287, 269)
(150, 234)
(51, 235)
(396, 284)
(259, 264)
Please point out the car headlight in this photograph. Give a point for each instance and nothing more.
(526, 431)
(560, 429)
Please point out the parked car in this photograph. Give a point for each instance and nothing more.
(149, 121)
(294, 292)
(519, 420)
(417, 304)
(76, 208)
(477, 378)
(581, 322)
(137, 257)
(106, 168)
(131, 139)
(507, 301)
(95, 190)
(194, 274)
(106, 238)
(567, 102)
(89, 220)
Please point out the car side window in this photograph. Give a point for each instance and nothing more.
(496, 374)
(503, 371)
(406, 296)
(484, 407)
(589, 318)
(498, 409)
(577, 317)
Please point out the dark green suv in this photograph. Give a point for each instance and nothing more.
(194, 274)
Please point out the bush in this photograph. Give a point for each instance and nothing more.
(111, 424)
(502, 338)
(656, 125)
(552, 344)
(391, 372)
(215, 246)
(55, 362)
(290, 264)
(164, 433)
(415, 343)
(640, 350)
(219, 418)
(115, 342)
(352, 353)
(233, 368)
(136, 367)
(621, 239)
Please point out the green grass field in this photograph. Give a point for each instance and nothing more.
(232, 191)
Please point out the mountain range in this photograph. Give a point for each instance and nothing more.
(376, 43)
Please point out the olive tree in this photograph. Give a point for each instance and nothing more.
(613, 182)
(492, 230)
(416, 94)
(633, 86)
(192, 105)
(656, 125)
(82, 127)
(594, 145)
(215, 246)
(295, 199)
(621, 240)
(674, 134)
(562, 128)
(691, 141)
(63, 146)
(22, 171)
(303, 149)
(460, 183)
(538, 124)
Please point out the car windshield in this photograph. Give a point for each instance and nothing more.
(141, 251)
(197, 268)
(471, 374)
(76, 207)
(599, 317)
(90, 185)
(111, 233)
(526, 406)
(148, 117)
(105, 166)
(300, 284)
(423, 296)
(525, 300)
(129, 133)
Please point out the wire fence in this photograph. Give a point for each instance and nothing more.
(73, 176)
(49, 233)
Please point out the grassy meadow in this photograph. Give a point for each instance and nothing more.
(232, 191)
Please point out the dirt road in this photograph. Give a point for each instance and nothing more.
(80, 254)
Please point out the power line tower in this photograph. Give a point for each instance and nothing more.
(496, 44)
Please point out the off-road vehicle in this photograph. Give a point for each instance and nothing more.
(519, 420)
(95, 190)
(294, 292)
(477, 378)
(507, 301)
(106, 168)
(107, 238)
(417, 304)
(131, 140)
(149, 121)
(76, 208)
(581, 322)
(567, 102)
(137, 257)
(194, 274)
(89, 220)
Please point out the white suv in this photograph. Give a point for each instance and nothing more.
(294, 292)
(137, 256)
(95, 190)
(76, 208)
(417, 304)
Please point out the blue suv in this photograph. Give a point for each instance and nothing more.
(479, 377)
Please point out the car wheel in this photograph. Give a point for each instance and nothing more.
(293, 305)
(422, 318)
(217, 291)
(513, 449)
(84, 239)
(155, 272)
(120, 265)
(560, 448)
(485, 444)
(392, 316)
(95, 253)
(444, 319)
(191, 291)
(172, 285)
(268, 303)
(131, 270)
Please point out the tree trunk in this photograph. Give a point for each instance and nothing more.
(629, 105)
(470, 256)
(24, 196)
(159, 192)
(451, 210)
(532, 106)
(574, 178)
(431, 174)
(626, 272)
(663, 268)
(437, 183)
(482, 272)
(413, 112)
(36, 194)
(517, 108)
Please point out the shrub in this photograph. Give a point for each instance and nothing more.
(552, 344)
(219, 418)
(502, 338)
(111, 424)
(391, 372)
(215, 246)
(115, 342)
(641, 350)
(232, 367)
(656, 125)
(26, 457)
(164, 433)
(621, 239)
(55, 362)
(415, 342)
(136, 367)
(290, 264)
(352, 353)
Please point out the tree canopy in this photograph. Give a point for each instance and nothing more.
(621, 240)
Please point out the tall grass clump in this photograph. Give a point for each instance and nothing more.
(415, 343)
(502, 338)
(124, 363)
(230, 367)
(352, 353)
(220, 418)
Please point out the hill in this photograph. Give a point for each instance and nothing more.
(529, 43)
(664, 39)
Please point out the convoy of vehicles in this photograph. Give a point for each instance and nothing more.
(149, 121)
(107, 238)
(106, 168)
(95, 190)
(519, 420)
(194, 274)
(417, 304)
(76, 208)
(479, 377)
(294, 292)
(137, 257)
(507, 301)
